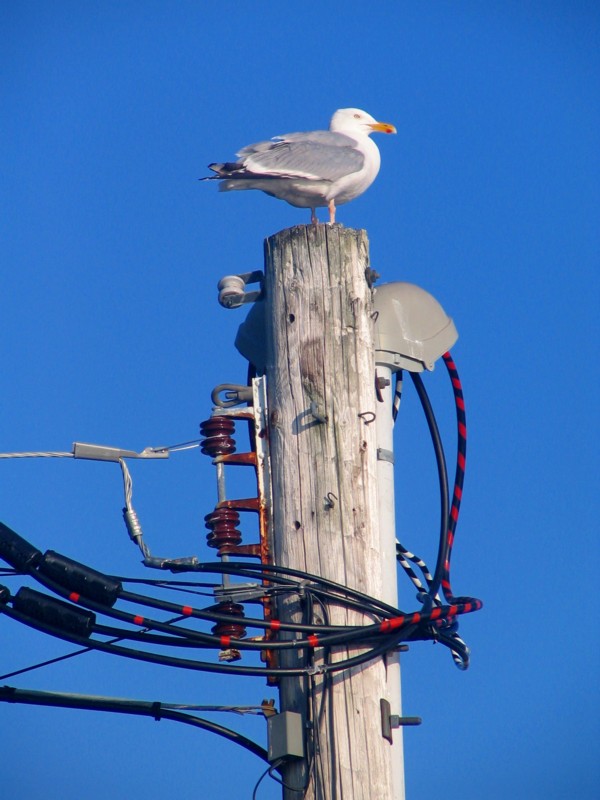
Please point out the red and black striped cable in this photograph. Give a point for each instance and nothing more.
(459, 477)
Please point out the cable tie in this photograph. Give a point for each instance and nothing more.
(156, 711)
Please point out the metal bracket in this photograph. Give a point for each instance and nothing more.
(385, 455)
(232, 289)
(238, 592)
(390, 721)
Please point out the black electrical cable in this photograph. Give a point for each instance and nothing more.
(342, 636)
(359, 635)
(459, 649)
(442, 478)
(143, 708)
(316, 764)
(200, 666)
(164, 583)
(403, 556)
(76, 577)
(249, 570)
(163, 605)
(18, 551)
(46, 663)
(269, 771)
(64, 657)
(185, 587)
(139, 655)
(263, 775)
(248, 621)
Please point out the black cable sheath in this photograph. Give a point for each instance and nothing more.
(338, 635)
(249, 570)
(143, 708)
(200, 666)
(202, 639)
(442, 478)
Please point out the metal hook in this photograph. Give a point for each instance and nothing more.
(330, 499)
(370, 414)
(315, 410)
(233, 395)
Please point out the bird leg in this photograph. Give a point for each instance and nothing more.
(331, 207)
(313, 216)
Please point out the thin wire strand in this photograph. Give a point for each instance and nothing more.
(49, 454)
(172, 448)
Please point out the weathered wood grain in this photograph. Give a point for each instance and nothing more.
(321, 357)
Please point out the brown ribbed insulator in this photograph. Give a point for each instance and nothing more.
(218, 433)
(236, 630)
(222, 524)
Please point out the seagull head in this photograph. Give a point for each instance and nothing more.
(353, 120)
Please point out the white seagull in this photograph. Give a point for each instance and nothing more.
(312, 169)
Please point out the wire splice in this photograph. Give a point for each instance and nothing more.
(78, 578)
(53, 612)
(16, 551)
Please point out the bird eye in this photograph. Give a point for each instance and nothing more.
(357, 116)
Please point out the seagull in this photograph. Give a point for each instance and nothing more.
(314, 169)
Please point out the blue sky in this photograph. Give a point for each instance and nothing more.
(111, 249)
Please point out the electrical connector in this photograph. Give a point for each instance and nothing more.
(99, 452)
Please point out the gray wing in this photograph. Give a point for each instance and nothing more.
(318, 155)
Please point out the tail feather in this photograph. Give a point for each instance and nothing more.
(227, 169)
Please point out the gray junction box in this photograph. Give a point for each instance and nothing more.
(286, 739)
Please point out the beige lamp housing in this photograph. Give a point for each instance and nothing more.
(412, 330)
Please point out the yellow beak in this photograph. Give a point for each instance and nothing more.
(382, 127)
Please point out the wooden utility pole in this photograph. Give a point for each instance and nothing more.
(322, 403)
